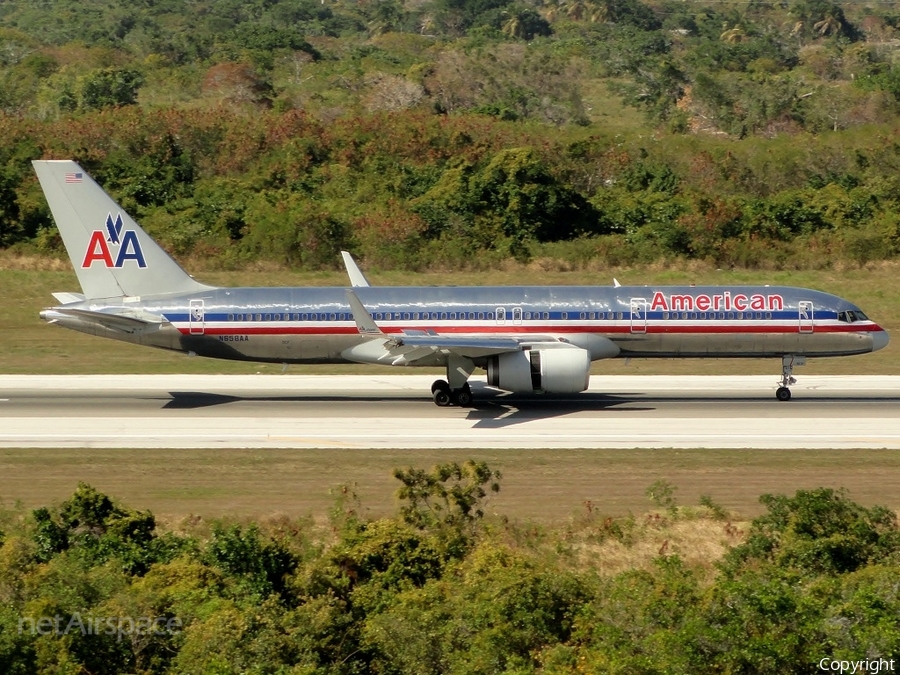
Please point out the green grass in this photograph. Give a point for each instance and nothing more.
(540, 485)
(32, 346)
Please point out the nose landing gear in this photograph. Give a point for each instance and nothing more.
(783, 393)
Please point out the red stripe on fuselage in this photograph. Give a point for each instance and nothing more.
(656, 329)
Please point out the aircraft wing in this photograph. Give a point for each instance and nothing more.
(122, 323)
(463, 345)
(408, 348)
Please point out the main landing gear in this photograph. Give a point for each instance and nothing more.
(457, 391)
(443, 395)
(783, 393)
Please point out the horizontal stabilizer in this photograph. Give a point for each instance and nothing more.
(116, 322)
(68, 298)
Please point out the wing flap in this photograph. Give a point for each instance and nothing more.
(469, 346)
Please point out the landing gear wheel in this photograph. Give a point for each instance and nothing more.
(787, 375)
(441, 398)
(440, 392)
(462, 397)
(783, 394)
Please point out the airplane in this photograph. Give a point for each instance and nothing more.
(534, 339)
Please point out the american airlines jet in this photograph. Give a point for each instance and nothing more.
(527, 338)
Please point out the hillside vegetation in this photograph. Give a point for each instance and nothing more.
(93, 586)
(460, 133)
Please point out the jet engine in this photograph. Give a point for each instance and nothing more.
(552, 371)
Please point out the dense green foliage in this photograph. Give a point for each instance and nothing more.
(441, 589)
(461, 132)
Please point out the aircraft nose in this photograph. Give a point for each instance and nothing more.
(880, 340)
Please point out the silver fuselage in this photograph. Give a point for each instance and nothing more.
(315, 325)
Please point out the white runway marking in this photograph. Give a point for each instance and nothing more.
(397, 412)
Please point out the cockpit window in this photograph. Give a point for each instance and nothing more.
(850, 316)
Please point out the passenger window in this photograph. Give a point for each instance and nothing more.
(452, 316)
(444, 315)
(480, 316)
(564, 316)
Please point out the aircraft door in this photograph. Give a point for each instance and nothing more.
(517, 315)
(638, 315)
(196, 319)
(501, 315)
(805, 314)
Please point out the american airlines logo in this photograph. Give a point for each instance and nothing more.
(114, 246)
(724, 301)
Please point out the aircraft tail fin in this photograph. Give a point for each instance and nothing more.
(111, 254)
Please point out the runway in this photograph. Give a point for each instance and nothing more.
(396, 411)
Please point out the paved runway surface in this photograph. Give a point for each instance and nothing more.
(396, 411)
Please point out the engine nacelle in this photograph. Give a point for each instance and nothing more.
(553, 371)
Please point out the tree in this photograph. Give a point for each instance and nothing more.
(449, 496)
(829, 25)
(733, 35)
(262, 567)
(815, 532)
(525, 24)
(97, 530)
(110, 87)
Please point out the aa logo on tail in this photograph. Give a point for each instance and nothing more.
(102, 245)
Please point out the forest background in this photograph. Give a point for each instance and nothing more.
(459, 135)
(456, 134)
